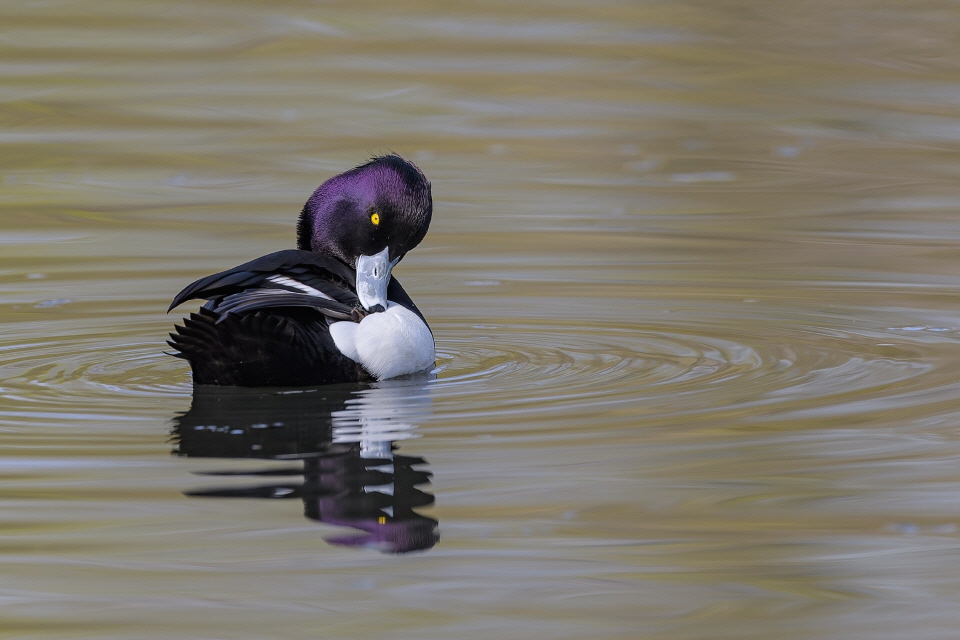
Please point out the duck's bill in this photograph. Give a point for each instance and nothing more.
(373, 276)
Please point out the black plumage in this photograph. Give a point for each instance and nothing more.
(259, 329)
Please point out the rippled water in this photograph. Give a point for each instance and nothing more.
(692, 277)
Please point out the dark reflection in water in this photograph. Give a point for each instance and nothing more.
(346, 439)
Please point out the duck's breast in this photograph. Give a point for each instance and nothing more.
(392, 343)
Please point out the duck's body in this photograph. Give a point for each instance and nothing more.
(329, 311)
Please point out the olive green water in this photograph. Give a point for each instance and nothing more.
(693, 276)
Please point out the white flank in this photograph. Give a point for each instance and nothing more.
(388, 344)
(344, 335)
(293, 284)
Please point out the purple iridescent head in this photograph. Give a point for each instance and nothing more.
(383, 204)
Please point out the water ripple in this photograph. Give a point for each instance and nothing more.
(540, 369)
(708, 366)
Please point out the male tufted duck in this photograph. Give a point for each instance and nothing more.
(330, 310)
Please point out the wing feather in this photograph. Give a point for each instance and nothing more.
(253, 299)
(327, 275)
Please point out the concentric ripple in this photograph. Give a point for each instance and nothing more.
(679, 369)
(534, 370)
(84, 371)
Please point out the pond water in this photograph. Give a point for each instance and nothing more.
(693, 276)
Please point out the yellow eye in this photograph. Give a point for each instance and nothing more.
(375, 218)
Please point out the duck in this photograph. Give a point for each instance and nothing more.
(329, 311)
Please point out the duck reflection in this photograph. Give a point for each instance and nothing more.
(346, 439)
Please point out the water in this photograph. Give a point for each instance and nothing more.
(692, 277)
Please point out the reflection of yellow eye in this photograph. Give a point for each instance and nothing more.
(375, 218)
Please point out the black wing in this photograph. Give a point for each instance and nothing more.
(291, 278)
(309, 274)
(253, 299)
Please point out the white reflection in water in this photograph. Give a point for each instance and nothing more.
(375, 418)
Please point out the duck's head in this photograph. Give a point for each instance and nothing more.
(369, 218)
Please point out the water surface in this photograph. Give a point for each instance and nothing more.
(692, 276)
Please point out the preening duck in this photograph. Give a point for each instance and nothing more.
(329, 311)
